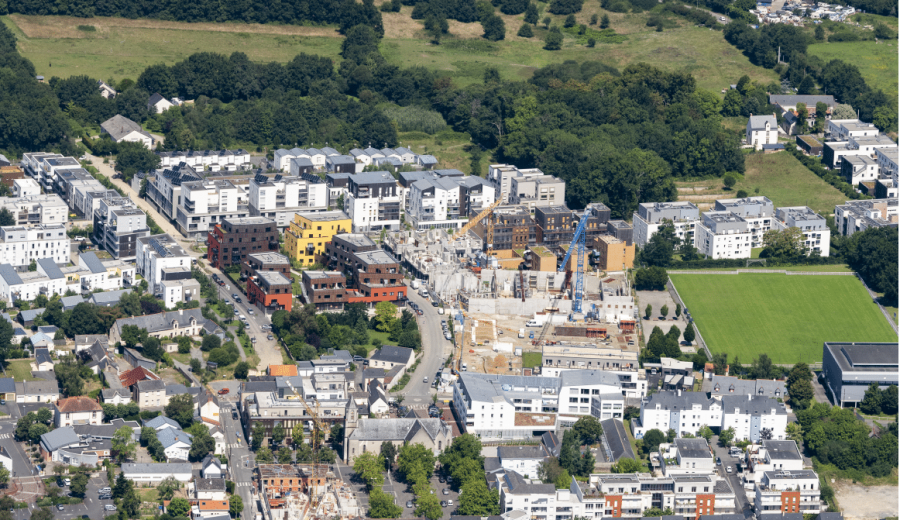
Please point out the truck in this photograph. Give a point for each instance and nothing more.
(414, 284)
(521, 333)
(423, 292)
(440, 310)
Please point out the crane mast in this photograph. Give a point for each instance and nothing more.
(578, 240)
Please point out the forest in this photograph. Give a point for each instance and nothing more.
(345, 13)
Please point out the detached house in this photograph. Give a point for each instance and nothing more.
(176, 444)
(77, 410)
(122, 129)
(762, 130)
(158, 104)
(183, 322)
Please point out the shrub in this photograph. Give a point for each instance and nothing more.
(415, 119)
(525, 31)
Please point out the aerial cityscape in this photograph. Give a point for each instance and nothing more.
(465, 260)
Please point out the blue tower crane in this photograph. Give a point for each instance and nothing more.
(577, 241)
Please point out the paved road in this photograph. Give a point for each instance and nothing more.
(269, 350)
(435, 349)
(241, 460)
(744, 505)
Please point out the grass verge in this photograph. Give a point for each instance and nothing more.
(786, 317)
(20, 370)
(877, 62)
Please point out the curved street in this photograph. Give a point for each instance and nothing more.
(435, 350)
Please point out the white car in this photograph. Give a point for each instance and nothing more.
(723, 19)
(109, 507)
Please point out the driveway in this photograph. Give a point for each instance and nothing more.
(743, 503)
(398, 489)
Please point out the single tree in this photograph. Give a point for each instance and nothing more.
(801, 394)
(235, 505)
(648, 311)
(594, 19)
(871, 403)
(729, 180)
(726, 436)
(677, 310)
(689, 334)
(706, 432)
(626, 465)
(167, 488)
(388, 453)
(369, 467)
(181, 409)
(79, 484)
(570, 21)
(652, 439)
(264, 455)
(820, 33)
(381, 505)
(531, 14)
(588, 430)
(604, 22)
(178, 507)
(476, 499)
(241, 370)
(258, 436)
(793, 432)
(131, 503)
(553, 40)
(525, 31)
(546, 21)
(591, 43)
(122, 446)
(664, 311)
(285, 455)
(564, 480)
(277, 433)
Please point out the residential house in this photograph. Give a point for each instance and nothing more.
(135, 359)
(176, 444)
(151, 473)
(524, 460)
(37, 391)
(211, 467)
(122, 129)
(160, 423)
(208, 408)
(327, 290)
(183, 322)
(389, 356)
(729, 385)
(29, 207)
(209, 489)
(150, 393)
(8, 389)
(42, 360)
(130, 378)
(86, 341)
(77, 410)
(106, 91)
(762, 130)
(115, 395)
(377, 400)
(158, 104)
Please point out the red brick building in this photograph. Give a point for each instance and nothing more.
(230, 242)
(274, 262)
(327, 290)
(375, 277)
(270, 291)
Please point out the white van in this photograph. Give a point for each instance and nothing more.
(532, 323)
(521, 333)
(464, 367)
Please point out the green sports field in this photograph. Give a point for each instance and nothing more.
(786, 317)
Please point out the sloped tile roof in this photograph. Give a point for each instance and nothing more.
(78, 404)
(131, 377)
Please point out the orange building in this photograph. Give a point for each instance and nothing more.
(614, 254)
(270, 291)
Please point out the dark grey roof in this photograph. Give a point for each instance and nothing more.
(119, 126)
(752, 405)
(41, 356)
(108, 297)
(614, 431)
(777, 99)
(210, 484)
(96, 351)
(69, 302)
(9, 274)
(492, 464)
(93, 263)
(782, 450)
(392, 354)
(156, 98)
(251, 387)
(31, 314)
(149, 385)
(397, 429)
(830, 516)
(732, 516)
(780, 516)
(518, 486)
(673, 401)
(161, 321)
(551, 443)
(7, 385)
(693, 448)
(59, 438)
(864, 356)
(47, 387)
(50, 267)
(110, 393)
(522, 452)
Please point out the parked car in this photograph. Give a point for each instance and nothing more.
(67, 481)
(270, 337)
(409, 503)
(425, 379)
(728, 470)
(60, 507)
(224, 391)
(250, 312)
(450, 503)
(446, 491)
(253, 339)
(443, 503)
(238, 300)
(109, 507)
(106, 490)
(235, 296)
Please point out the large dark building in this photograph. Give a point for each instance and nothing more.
(327, 290)
(231, 241)
(342, 247)
(513, 228)
(555, 225)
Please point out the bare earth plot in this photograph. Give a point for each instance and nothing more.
(866, 502)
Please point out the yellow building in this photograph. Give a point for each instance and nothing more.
(306, 236)
(614, 254)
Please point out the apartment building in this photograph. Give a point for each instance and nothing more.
(270, 291)
(274, 262)
(204, 204)
(859, 215)
(888, 159)
(47, 280)
(756, 211)
(722, 234)
(498, 406)
(612, 254)
(770, 456)
(688, 496)
(340, 249)
(327, 290)
(405, 181)
(859, 168)
(282, 157)
(375, 277)
(164, 188)
(537, 191)
(501, 176)
(373, 202)
(754, 417)
(650, 216)
(816, 235)
(50, 167)
(21, 245)
(834, 152)
(285, 405)
(554, 225)
(685, 457)
(279, 198)
(447, 202)
(159, 259)
(308, 235)
(25, 188)
(506, 228)
(683, 412)
(108, 275)
(118, 224)
(559, 357)
(32, 209)
(844, 129)
(231, 241)
(786, 491)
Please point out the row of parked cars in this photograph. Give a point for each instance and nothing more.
(415, 308)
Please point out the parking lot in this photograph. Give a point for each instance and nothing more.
(400, 491)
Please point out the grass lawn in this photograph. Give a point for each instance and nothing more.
(876, 61)
(836, 268)
(531, 359)
(779, 176)
(20, 370)
(120, 48)
(786, 317)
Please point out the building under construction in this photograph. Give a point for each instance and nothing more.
(304, 492)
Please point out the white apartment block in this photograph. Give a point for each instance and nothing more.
(844, 129)
(158, 255)
(770, 456)
(373, 201)
(212, 160)
(94, 273)
(629, 495)
(559, 357)
(47, 280)
(118, 223)
(515, 406)
(279, 198)
(447, 202)
(524, 460)
(26, 188)
(762, 130)
(537, 191)
(651, 216)
(722, 234)
(20, 245)
(685, 457)
(501, 175)
(756, 211)
(50, 167)
(752, 417)
(887, 159)
(35, 208)
(207, 203)
(859, 168)
(165, 187)
(282, 157)
(859, 215)
(788, 492)
(816, 235)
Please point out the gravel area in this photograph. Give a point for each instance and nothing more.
(866, 502)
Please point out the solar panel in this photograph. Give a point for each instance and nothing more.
(159, 248)
(261, 179)
(278, 177)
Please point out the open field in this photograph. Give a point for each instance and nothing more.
(786, 317)
(835, 268)
(876, 61)
(779, 176)
(119, 48)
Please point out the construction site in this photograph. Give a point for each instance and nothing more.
(513, 282)
(305, 492)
